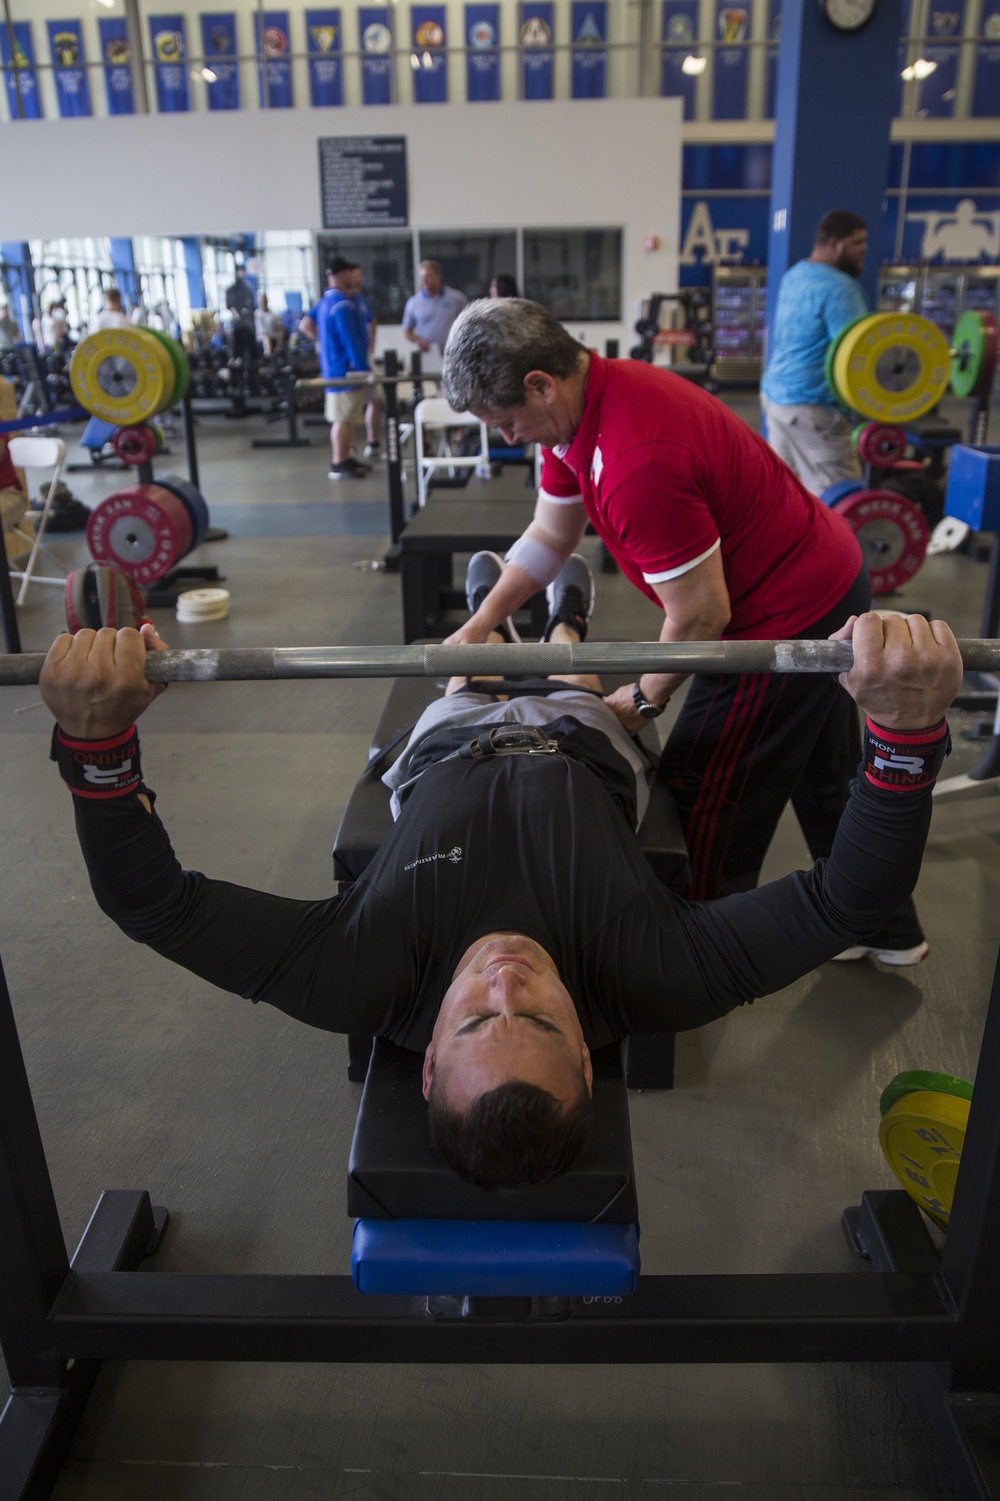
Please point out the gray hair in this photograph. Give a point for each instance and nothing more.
(494, 343)
(434, 266)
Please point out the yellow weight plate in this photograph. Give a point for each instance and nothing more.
(922, 1137)
(122, 375)
(892, 366)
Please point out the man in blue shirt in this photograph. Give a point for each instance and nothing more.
(816, 299)
(429, 314)
(336, 325)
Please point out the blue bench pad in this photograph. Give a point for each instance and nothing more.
(494, 1258)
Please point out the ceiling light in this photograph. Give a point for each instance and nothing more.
(694, 65)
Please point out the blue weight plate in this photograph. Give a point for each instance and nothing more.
(830, 496)
(192, 500)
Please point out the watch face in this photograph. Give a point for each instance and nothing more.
(848, 15)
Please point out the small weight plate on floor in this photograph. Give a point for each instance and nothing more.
(144, 530)
(122, 375)
(97, 596)
(892, 532)
(192, 499)
(949, 534)
(840, 490)
(922, 1078)
(881, 445)
(922, 1136)
(833, 346)
(892, 366)
(203, 604)
(134, 445)
(179, 360)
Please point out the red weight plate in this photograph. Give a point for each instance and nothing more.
(144, 531)
(134, 445)
(987, 370)
(893, 534)
(881, 445)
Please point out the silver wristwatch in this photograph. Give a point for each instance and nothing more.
(643, 705)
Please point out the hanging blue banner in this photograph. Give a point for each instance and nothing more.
(937, 92)
(429, 59)
(729, 86)
(169, 50)
(69, 69)
(773, 45)
(218, 45)
(986, 96)
(325, 42)
(22, 80)
(117, 65)
(536, 49)
(589, 32)
(375, 33)
(482, 57)
(274, 72)
(680, 31)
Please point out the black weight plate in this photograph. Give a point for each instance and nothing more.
(192, 500)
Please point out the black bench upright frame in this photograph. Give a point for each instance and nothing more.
(59, 1319)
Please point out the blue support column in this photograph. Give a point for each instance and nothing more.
(20, 278)
(193, 271)
(836, 92)
(123, 261)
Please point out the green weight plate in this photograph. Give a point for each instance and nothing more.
(922, 1078)
(968, 351)
(856, 434)
(831, 352)
(179, 360)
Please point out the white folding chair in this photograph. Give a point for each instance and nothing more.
(37, 452)
(435, 412)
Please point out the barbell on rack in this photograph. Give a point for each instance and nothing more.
(259, 663)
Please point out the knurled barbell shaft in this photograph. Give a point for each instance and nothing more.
(253, 663)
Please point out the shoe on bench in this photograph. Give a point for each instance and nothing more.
(570, 597)
(900, 958)
(482, 573)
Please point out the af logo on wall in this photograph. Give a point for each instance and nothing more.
(705, 244)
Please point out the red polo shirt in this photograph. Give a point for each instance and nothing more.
(667, 472)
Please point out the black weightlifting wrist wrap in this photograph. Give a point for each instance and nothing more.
(98, 768)
(905, 760)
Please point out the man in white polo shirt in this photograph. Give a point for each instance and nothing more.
(429, 314)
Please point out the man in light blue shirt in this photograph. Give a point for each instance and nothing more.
(816, 299)
(429, 314)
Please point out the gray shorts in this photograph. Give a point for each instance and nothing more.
(474, 709)
(814, 441)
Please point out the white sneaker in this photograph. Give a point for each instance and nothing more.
(898, 957)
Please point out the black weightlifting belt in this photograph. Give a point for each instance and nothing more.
(510, 740)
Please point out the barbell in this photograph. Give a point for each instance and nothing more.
(546, 659)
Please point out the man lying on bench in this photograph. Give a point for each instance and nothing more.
(509, 922)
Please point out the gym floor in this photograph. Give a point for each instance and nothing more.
(240, 1121)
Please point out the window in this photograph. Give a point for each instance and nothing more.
(386, 262)
(469, 262)
(575, 273)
